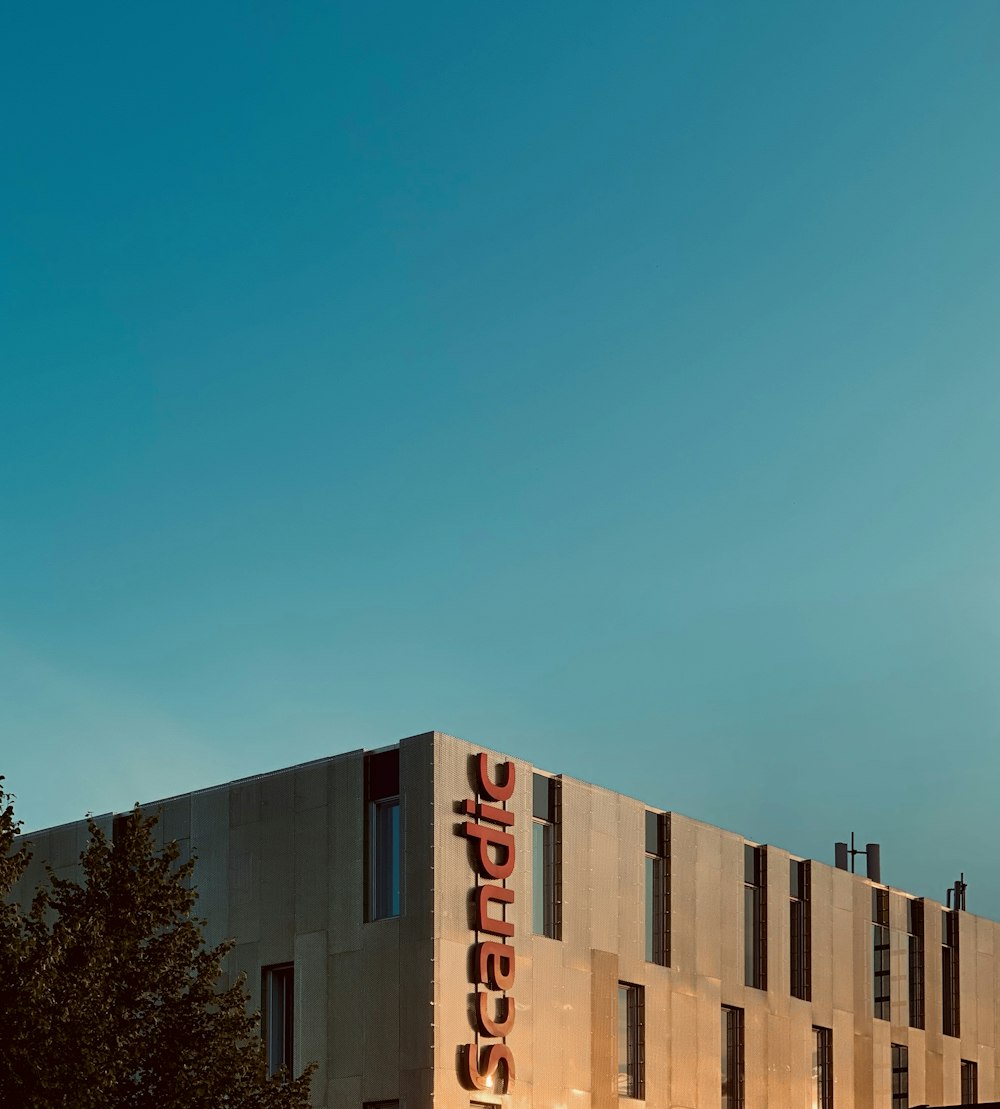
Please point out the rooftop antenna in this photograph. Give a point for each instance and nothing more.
(871, 851)
(958, 889)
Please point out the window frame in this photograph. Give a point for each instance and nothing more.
(970, 1082)
(631, 1014)
(270, 976)
(881, 955)
(383, 838)
(656, 889)
(900, 1076)
(732, 1058)
(755, 916)
(546, 856)
(916, 963)
(800, 929)
(823, 1066)
(951, 1002)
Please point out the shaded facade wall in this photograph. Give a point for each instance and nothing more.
(564, 1038)
(280, 868)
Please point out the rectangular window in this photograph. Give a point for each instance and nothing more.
(631, 1041)
(755, 916)
(915, 945)
(900, 1077)
(732, 1058)
(657, 874)
(383, 854)
(950, 1006)
(800, 932)
(970, 1083)
(277, 986)
(823, 1068)
(546, 858)
(880, 953)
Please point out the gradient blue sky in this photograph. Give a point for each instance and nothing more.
(615, 385)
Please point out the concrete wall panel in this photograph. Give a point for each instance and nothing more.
(312, 1039)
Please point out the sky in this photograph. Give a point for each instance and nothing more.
(616, 386)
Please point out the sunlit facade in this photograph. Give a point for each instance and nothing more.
(437, 924)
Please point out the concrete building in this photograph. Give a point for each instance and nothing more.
(440, 925)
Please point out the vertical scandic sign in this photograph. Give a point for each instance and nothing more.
(491, 832)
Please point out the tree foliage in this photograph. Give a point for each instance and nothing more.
(108, 995)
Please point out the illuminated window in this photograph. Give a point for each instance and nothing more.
(755, 916)
(799, 929)
(382, 835)
(732, 1058)
(880, 953)
(631, 1041)
(657, 874)
(546, 857)
(277, 988)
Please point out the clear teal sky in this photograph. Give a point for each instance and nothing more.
(615, 385)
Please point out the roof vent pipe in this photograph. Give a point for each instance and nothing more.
(871, 851)
(873, 858)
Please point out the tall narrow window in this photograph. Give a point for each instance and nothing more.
(970, 1083)
(545, 890)
(631, 1041)
(755, 916)
(799, 929)
(822, 1068)
(915, 945)
(383, 852)
(657, 875)
(732, 1058)
(880, 953)
(950, 1005)
(900, 1077)
(277, 984)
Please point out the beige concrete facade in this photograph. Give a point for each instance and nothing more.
(387, 1006)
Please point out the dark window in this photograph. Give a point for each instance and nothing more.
(732, 1058)
(951, 1011)
(383, 855)
(631, 1041)
(880, 953)
(970, 1083)
(755, 916)
(900, 1077)
(915, 944)
(800, 933)
(383, 1105)
(657, 874)
(546, 858)
(277, 986)
(823, 1068)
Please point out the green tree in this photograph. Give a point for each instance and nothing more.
(109, 998)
